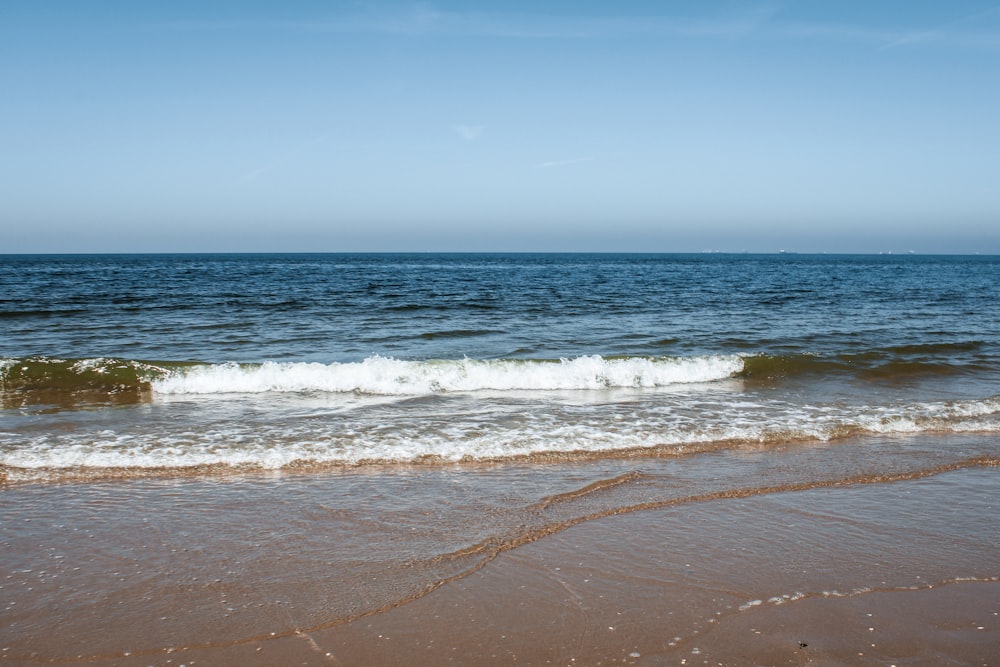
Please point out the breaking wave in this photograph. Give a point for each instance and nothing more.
(392, 377)
(124, 378)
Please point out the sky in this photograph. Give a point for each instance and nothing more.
(585, 125)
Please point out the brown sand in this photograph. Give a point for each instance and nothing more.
(602, 593)
(950, 625)
(883, 572)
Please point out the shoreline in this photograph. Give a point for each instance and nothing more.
(267, 569)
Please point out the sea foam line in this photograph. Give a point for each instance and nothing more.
(388, 376)
(275, 442)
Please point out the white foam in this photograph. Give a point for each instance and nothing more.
(273, 432)
(393, 377)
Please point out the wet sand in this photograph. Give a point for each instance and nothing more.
(950, 625)
(612, 562)
(613, 591)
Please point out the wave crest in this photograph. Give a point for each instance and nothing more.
(393, 377)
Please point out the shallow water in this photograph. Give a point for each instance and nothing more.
(142, 565)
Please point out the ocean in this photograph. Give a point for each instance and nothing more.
(135, 362)
(287, 444)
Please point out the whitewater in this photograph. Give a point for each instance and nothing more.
(387, 376)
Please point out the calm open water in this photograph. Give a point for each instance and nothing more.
(130, 363)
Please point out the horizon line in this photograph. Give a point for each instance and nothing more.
(872, 253)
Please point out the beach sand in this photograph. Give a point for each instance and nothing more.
(613, 591)
(497, 618)
(278, 570)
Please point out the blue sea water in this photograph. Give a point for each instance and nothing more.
(138, 362)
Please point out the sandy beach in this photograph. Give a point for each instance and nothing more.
(474, 565)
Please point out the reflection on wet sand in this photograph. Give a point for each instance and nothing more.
(643, 560)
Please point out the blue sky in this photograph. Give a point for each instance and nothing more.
(499, 126)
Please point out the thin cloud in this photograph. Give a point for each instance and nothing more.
(469, 132)
(425, 19)
(758, 21)
(560, 163)
(284, 158)
(947, 33)
(251, 176)
(798, 30)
